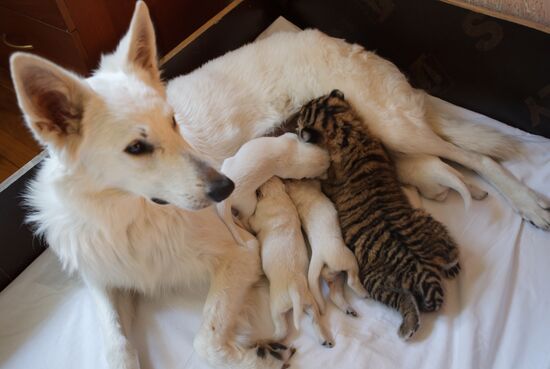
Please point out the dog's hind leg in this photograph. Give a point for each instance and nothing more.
(413, 125)
(525, 201)
(112, 305)
(232, 278)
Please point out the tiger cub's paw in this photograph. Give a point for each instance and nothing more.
(452, 271)
(409, 327)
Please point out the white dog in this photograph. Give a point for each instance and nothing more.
(262, 158)
(284, 259)
(116, 154)
(329, 254)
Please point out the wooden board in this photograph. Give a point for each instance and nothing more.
(530, 13)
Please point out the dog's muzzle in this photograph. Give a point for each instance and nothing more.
(220, 188)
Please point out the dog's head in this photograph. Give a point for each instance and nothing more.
(115, 129)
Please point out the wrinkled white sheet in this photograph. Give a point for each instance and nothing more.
(495, 316)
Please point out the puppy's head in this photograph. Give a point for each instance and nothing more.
(273, 187)
(115, 130)
(318, 120)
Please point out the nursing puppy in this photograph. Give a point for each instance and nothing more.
(260, 159)
(329, 255)
(433, 178)
(284, 259)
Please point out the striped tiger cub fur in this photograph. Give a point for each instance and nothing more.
(402, 252)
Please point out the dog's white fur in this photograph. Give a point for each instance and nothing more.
(434, 178)
(308, 64)
(284, 259)
(91, 200)
(329, 254)
(262, 158)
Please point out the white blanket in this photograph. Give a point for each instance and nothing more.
(495, 314)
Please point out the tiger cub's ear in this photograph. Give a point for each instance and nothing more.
(310, 135)
(337, 93)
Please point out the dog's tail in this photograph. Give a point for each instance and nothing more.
(470, 135)
(295, 293)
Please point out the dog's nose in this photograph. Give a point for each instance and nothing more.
(220, 188)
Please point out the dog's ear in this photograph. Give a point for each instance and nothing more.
(51, 98)
(142, 49)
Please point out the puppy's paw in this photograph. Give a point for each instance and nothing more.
(435, 192)
(535, 210)
(274, 350)
(351, 312)
(476, 192)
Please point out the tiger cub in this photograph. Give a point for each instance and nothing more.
(402, 252)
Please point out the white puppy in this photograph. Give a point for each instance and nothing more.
(284, 259)
(260, 159)
(434, 178)
(329, 254)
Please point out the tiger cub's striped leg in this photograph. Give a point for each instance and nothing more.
(428, 289)
(444, 250)
(404, 302)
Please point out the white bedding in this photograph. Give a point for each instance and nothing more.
(495, 315)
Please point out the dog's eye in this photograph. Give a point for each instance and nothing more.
(139, 147)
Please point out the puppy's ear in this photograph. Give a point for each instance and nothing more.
(142, 49)
(337, 93)
(309, 135)
(51, 98)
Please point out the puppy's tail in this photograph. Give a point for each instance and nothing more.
(295, 293)
(314, 272)
(239, 233)
(452, 178)
(470, 135)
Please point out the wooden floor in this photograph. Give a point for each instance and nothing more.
(17, 145)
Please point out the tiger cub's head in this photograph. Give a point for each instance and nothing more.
(326, 121)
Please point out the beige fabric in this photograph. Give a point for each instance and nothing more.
(531, 13)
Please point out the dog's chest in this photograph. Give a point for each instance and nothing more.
(163, 249)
